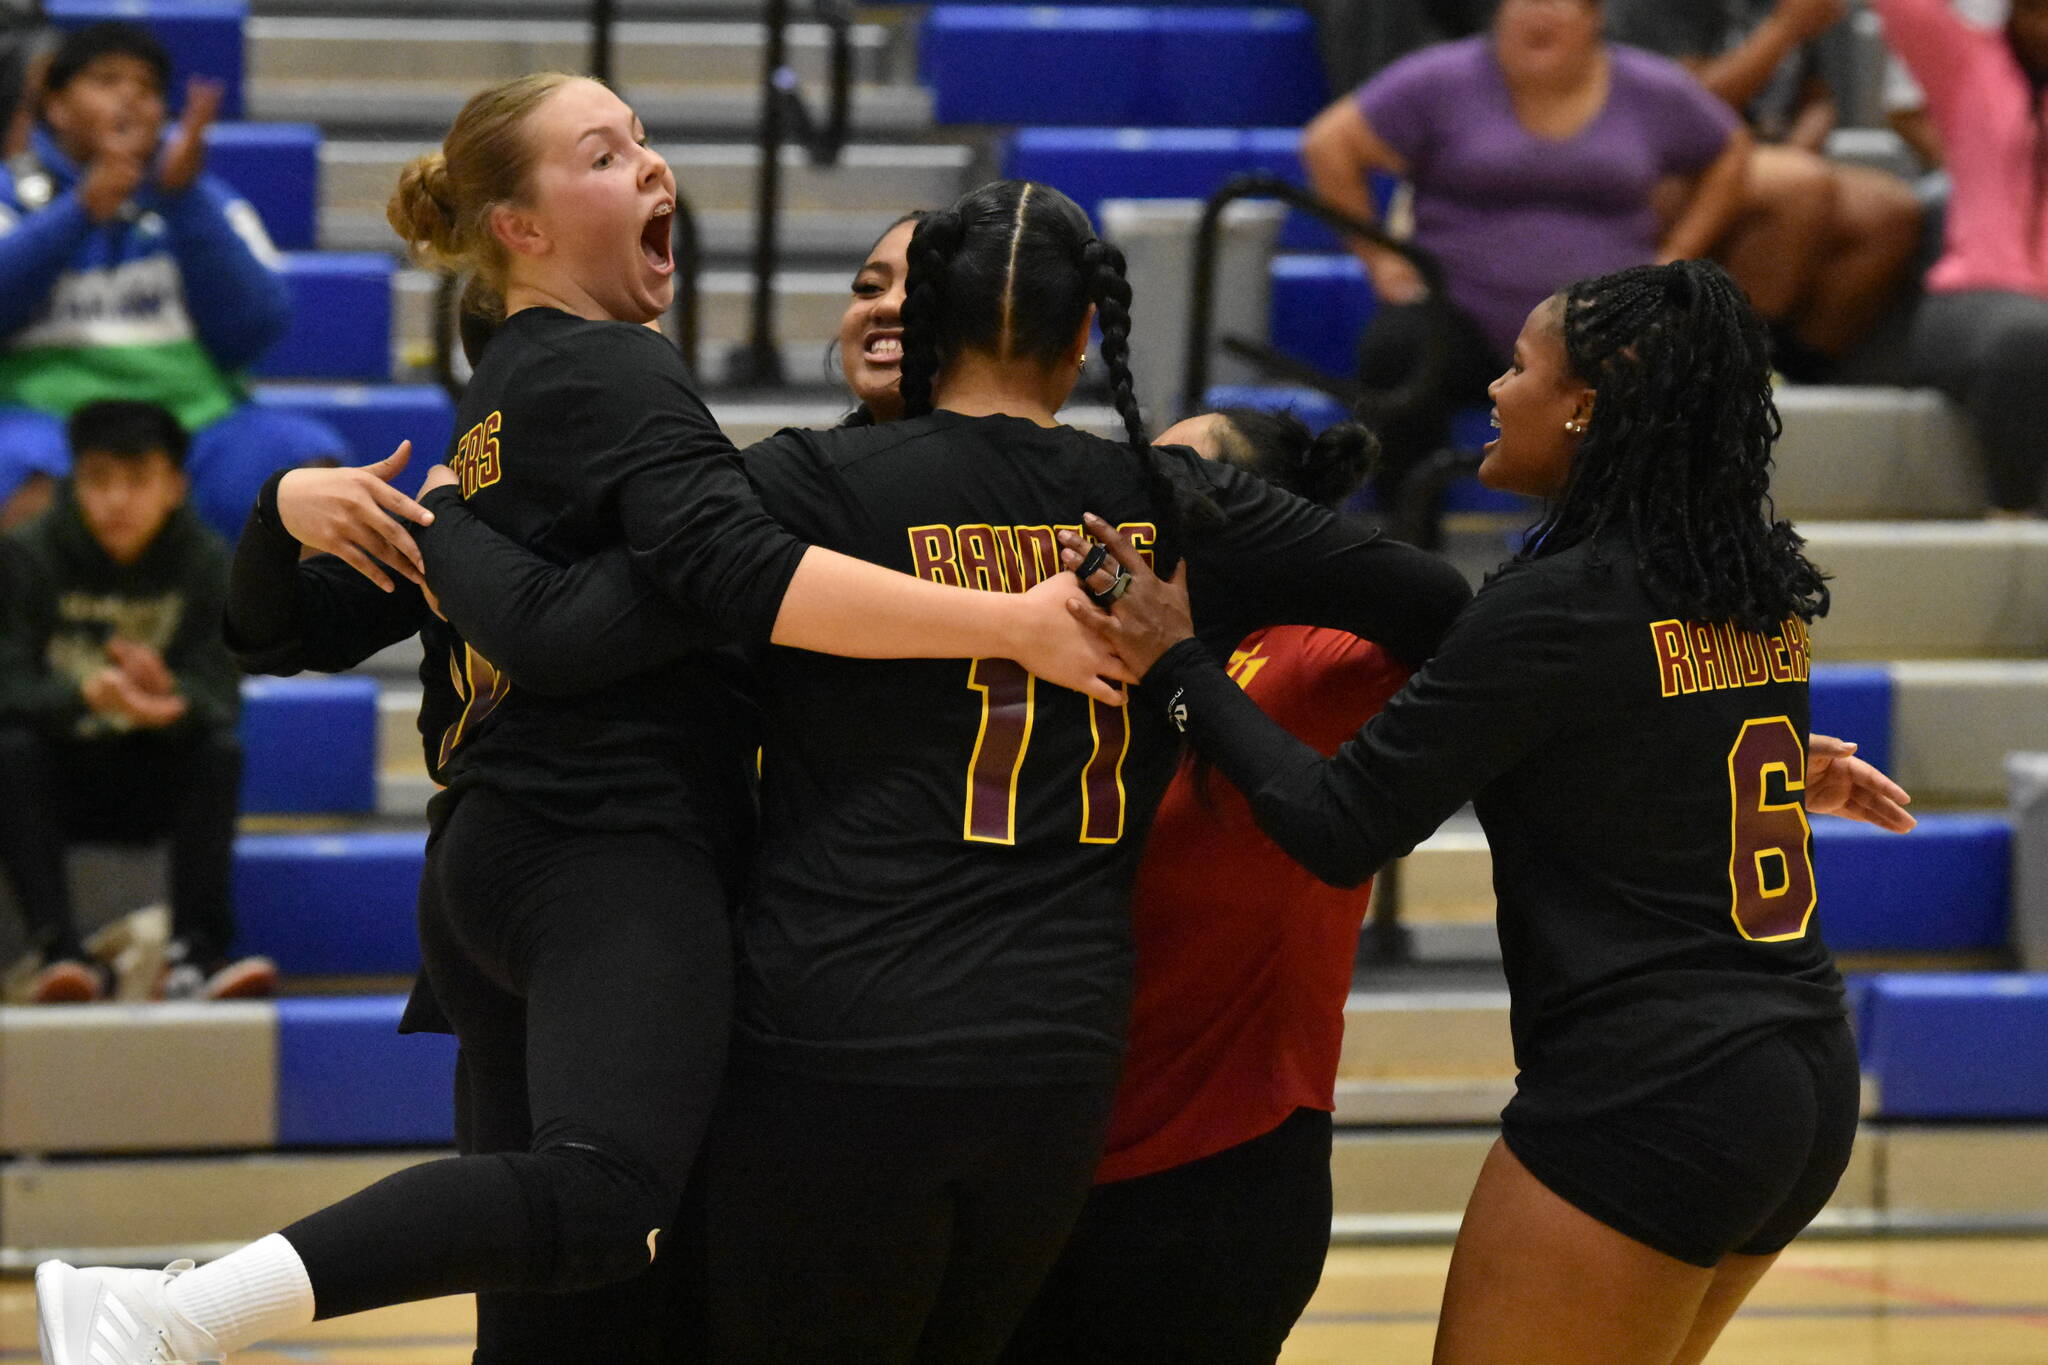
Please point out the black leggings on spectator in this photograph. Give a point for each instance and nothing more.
(179, 783)
(1212, 1261)
(1392, 351)
(1988, 350)
(588, 977)
(885, 1225)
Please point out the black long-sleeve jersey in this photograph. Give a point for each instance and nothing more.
(1640, 781)
(948, 846)
(574, 437)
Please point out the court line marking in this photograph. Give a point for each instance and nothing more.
(1877, 1282)
(2032, 1314)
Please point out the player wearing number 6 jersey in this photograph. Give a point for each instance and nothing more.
(936, 956)
(1625, 705)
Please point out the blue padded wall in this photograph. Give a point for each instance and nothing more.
(1943, 888)
(341, 319)
(1151, 67)
(347, 1078)
(1854, 702)
(276, 167)
(330, 904)
(203, 37)
(1959, 1045)
(309, 745)
(374, 418)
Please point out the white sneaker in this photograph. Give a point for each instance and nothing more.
(100, 1316)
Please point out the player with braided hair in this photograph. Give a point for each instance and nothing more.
(936, 950)
(1625, 705)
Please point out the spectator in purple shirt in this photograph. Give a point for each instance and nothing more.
(1538, 154)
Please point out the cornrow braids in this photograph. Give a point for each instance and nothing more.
(933, 246)
(1010, 271)
(1677, 455)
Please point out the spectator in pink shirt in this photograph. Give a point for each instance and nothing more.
(1982, 335)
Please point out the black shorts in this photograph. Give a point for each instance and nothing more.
(1212, 1261)
(1738, 1158)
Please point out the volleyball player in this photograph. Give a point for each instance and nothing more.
(573, 916)
(1207, 1229)
(1626, 706)
(936, 956)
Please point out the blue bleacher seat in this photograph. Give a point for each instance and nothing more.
(347, 1078)
(1469, 430)
(373, 419)
(1943, 888)
(1321, 305)
(1959, 1045)
(1316, 409)
(1157, 67)
(309, 745)
(204, 37)
(330, 904)
(1854, 702)
(341, 318)
(276, 167)
(1090, 165)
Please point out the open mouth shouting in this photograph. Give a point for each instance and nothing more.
(656, 240)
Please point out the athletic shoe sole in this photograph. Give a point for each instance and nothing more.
(53, 1280)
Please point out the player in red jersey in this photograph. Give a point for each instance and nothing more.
(1206, 1232)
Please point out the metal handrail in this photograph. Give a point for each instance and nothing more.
(786, 118)
(1202, 301)
(603, 13)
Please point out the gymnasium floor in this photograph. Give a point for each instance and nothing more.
(1961, 1301)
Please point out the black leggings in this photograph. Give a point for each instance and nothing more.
(1211, 1262)
(589, 979)
(870, 1224)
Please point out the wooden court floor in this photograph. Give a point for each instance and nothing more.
(1961, 1301)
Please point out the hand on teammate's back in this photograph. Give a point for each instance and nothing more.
(1052, 646)
(1839, 783)
(184, 154)
(1151, 616)
(353, 515)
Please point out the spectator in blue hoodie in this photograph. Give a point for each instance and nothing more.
(127, 272)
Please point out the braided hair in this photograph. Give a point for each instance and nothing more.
(1677, 455)
(1010, 270)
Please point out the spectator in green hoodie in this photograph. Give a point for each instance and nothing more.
(118, 701)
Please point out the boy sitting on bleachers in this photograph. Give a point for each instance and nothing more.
(127, 272)
(118, 701)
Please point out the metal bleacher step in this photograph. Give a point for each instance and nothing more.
(408, 109)
(645, 55)
(1866, 454)
(497, 10)
(357, 177)
(1931, 590)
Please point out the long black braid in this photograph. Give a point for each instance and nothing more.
(1677, 455)
(1011, 270)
